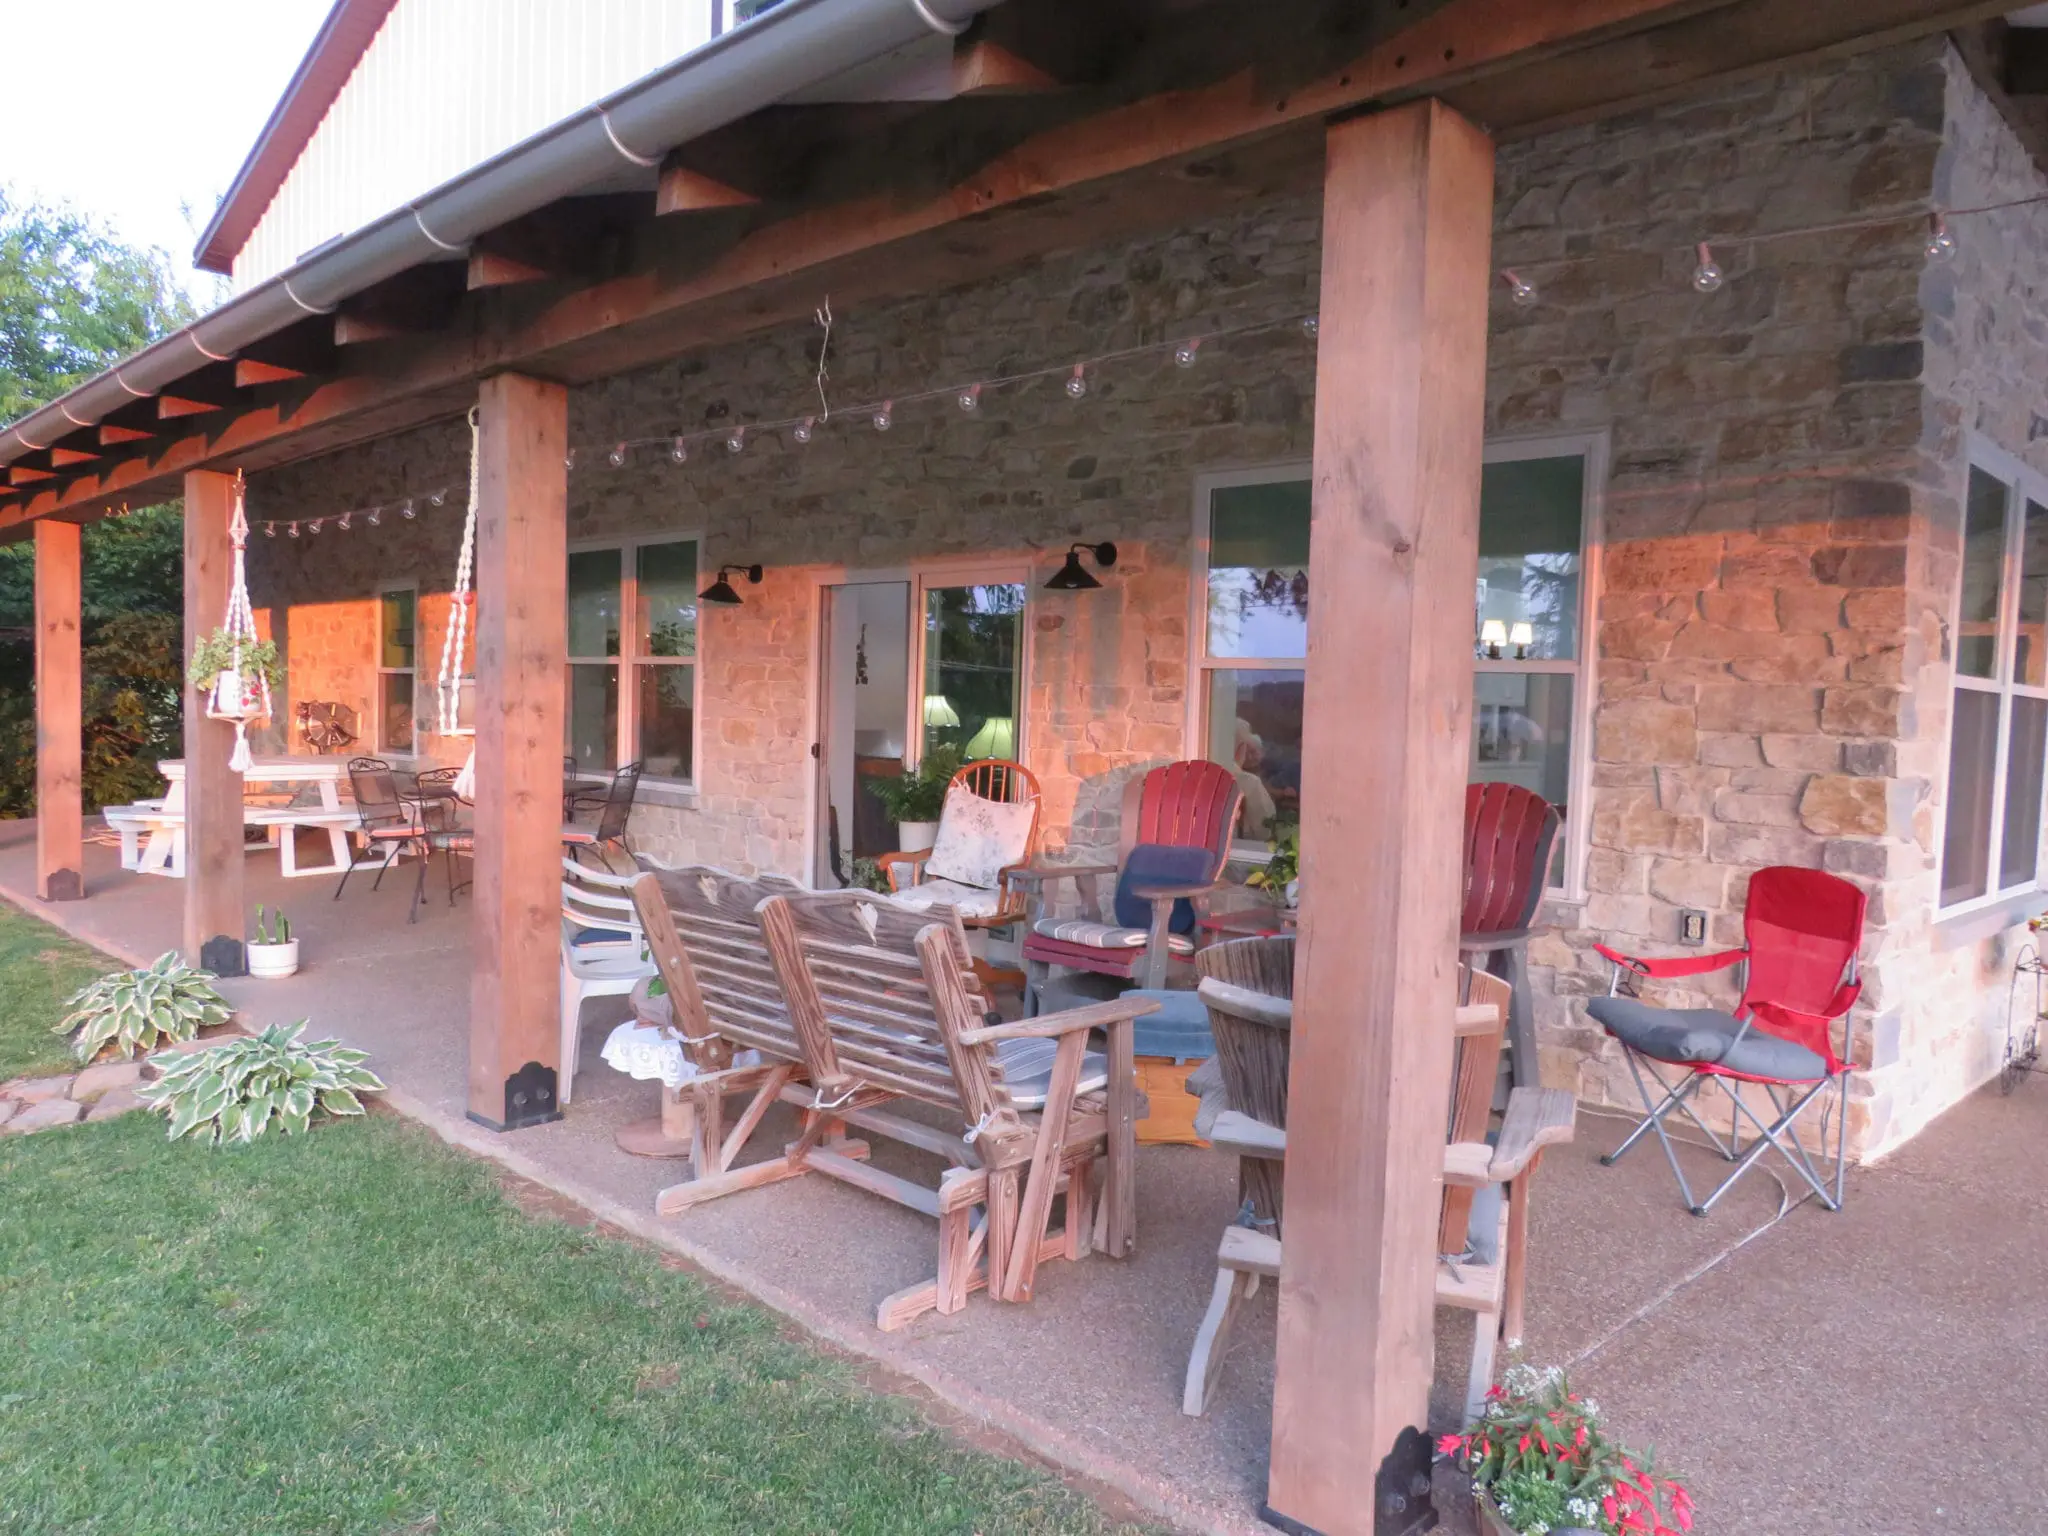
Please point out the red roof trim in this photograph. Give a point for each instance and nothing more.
(343, 40)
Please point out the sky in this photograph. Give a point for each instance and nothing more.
(138, 108)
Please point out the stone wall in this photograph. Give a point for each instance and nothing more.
(1770, 676)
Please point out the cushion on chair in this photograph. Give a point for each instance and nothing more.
(1686, 1036)
(1179, 1030)
(583, 835)
(967, 900)
(978, 839)
(601, 936)
(1161, 864)
(1482, 1230)
(1027, 1069)
(1074, 930)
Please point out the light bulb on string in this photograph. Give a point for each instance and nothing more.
(376, 516)
(270, 530)
(314, 526)
(1941, 245)
(342, 521)
(805, 429)
(617, 457)
(569, 459)
(1707, 276)
(1520, 289)
(1184, 355)
(1077, 382)
(970, 399)
(736, 440)
(679, 452)
(1310, 324)
(437, 498)
(406, 509)
(885, 417)
(293, 530)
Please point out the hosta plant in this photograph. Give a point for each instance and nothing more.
(132, 1011)
(238, 1090)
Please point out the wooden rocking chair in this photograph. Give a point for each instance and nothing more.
(1481, 1257)
(886, 1002)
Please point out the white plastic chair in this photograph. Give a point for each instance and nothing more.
(604, 951)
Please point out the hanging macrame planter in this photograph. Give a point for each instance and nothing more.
(232, 667)
(455, 646)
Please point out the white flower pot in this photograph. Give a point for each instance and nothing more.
(271, 961)
(916, 836)
(1294, 893)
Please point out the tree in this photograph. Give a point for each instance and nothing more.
(74, 300)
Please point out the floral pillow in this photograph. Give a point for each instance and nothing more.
(978, 839)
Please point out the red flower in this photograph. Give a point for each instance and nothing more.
(1450, 1445)
(1610, 1509)
(1522, 1445)
(1579, 1440)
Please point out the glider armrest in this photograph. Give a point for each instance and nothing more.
(1237, 1132)
(1536, 1118)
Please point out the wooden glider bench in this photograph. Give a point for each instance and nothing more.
(856, 1003)
(1482, 1277)
(153, 839)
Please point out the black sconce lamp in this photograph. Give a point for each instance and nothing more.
(1072, 578)
(721, 592)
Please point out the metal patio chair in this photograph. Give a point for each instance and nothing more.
(1509, 832)
(614, 811)
(1802, 929)
(386, 821)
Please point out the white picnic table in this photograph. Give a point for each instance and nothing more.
(163, 851)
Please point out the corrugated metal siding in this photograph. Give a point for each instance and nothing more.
(448, 83)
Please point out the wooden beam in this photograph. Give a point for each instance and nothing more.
(249, 373)
(22, 474)
(170, 406)
(113, 435)
(1400, 404)
(989, 69)
(353, 330)
(213, 790)
(521, 646)
(683, 190)
(60, 711)
(490, 270)
(63, 458)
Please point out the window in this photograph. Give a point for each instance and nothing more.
(397, 679)
(631, 688)
(1998, 728)
(973, 647)
(1530, 688)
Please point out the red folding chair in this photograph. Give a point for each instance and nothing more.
(1802, 930)
(1509, 832)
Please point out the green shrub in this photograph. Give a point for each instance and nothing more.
(165, 1001)
(920, 794)
(234, 1091)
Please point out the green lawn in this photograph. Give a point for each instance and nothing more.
(39, 968)
(356, 1331)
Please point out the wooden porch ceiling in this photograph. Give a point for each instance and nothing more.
(1048, 136)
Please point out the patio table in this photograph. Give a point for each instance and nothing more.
(164, 853)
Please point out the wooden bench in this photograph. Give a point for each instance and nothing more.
(153, 842)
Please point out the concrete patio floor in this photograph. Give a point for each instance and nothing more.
(1823, 1374)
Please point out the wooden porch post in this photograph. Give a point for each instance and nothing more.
(213, 790)
(1400, 398)
(521, 650)
(60, 709)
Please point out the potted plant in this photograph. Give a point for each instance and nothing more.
(914, 800)
(272, 951)
(1542, 1465)
(214, 673)
(1281, 876)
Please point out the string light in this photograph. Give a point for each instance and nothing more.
(313, 526)
(343, 521)
(376, 516)
(1706, 277)
(804, 429)
(970, 399)
(679, 452)
(1077, 381)
(1184, 354)
(293, 530)
(406, 510)
(437, 498)
(270, 530)
(1309, 325)
(885, 416)
(1941, 245)
(617, 457)
(1522, 290)
(569, 459)
(736, 440)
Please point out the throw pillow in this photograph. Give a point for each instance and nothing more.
(978, 839)
(1161, 864)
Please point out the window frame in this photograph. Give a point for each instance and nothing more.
(626, 746)
(2023, 485)
(1593, 448)
(384, 590)
(967, 571)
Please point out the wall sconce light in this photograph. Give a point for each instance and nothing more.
(939, 712)
(1072, 578)
(1493, 634)
(721, 592)
(1521, 636)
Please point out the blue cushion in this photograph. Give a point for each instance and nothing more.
(1161, 864)
(601, 936)
(1683, 1036)
(1180, 1029)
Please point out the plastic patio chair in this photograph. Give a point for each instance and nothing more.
(1179, 819)
(604, 951)
(1509, 832)
(1802, 929)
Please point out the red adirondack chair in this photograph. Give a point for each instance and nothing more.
(1174, 840)
(1509, 832)
(1802, 930)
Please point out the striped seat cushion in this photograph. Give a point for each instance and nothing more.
(1027, 1070)
(1074, 930)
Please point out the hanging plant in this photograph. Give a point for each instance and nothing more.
(216, 654)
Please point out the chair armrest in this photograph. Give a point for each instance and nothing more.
(1235, 1131)
(1172, 892)
(1536, 1118)
(1674, 965)
(1244, 1003)
(888, 863)
(1467, 1164)
(1039, 874)
(1050, 1025)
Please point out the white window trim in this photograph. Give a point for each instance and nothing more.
(384, 590)
(1593, 447)
(968, 571)
(627, 744)
(2025, 484)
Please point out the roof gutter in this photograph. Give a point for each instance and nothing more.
(797, 44)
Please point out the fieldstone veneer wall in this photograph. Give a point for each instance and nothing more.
(1779, 520)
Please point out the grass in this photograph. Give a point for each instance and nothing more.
(39, 968)
(357, 1331)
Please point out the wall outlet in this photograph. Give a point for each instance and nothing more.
(1692, 926)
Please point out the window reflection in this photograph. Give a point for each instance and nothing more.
(973, 636)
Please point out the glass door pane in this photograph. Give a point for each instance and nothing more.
(1531, 514)
(1972, 759)
(1983, 576)
(2030, 643)
(1255, 730)
(593, 716)
(973, 638)
(2021, 850)
(594, 603)
(1258, 570)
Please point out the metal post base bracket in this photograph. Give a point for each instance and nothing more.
(224, 956)
(529, 1100)
(1402, 1505)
